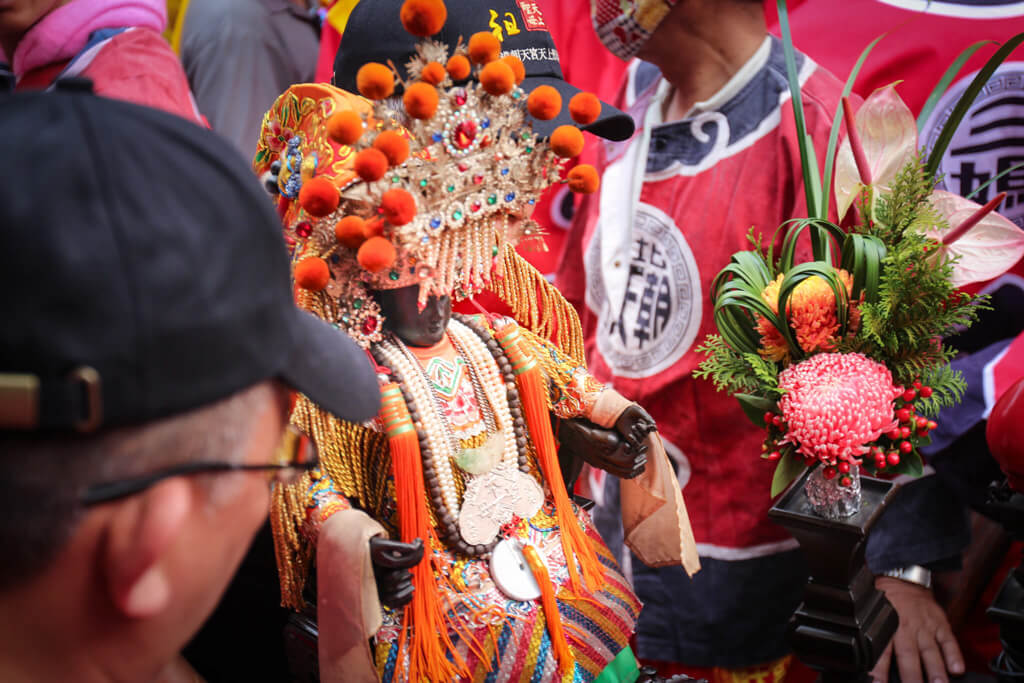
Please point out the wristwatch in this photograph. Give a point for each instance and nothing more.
(913, 573)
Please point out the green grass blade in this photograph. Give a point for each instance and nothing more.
(823, 230)
(812, 183)
(943, 85)
(981, 187)
(862, 258)
(960, 110)
(833, 136)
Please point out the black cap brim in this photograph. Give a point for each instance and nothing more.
(328, 367)
(612, 124)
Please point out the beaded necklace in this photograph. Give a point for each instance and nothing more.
(494, 385)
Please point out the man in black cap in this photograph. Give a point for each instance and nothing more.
(148, 347)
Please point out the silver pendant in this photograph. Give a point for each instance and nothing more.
(491, 500)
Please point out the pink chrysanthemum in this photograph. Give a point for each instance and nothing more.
(836, 403)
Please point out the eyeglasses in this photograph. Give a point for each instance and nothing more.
(295, 455)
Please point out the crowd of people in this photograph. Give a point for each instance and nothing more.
(200, 353)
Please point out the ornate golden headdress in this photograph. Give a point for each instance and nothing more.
(433, 190)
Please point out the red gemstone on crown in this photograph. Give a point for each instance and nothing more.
(369, 325)
(303, 229)
(478, 179)
(465, 133)
(475, 206)
(460, 98)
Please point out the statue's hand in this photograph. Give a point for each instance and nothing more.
(634, 424)
(392, 561)
(603, 448)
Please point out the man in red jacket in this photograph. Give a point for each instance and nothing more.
(716, 152)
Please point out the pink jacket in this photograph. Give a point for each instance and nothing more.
(136, 65)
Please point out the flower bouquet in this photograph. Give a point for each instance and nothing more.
(840, 359)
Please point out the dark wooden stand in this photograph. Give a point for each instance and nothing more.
(844, 623)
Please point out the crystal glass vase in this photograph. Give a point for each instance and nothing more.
(829, 498)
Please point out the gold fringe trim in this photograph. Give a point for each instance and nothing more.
(537, 305)
(293, 552)
(357, 461)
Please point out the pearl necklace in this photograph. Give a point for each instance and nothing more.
(482, 364)
(437, 446)
(431, 423)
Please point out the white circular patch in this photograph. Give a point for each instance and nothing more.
(661, 312)
(978, 9)
(511, 572)
(989, 140)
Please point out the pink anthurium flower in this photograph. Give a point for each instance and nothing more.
(986, 250)
(887, 133)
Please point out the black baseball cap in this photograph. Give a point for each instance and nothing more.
(143, 273)
(374, 33)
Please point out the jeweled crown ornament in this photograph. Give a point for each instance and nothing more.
(435, 185)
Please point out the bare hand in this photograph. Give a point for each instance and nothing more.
(924, 636)
(392, 561)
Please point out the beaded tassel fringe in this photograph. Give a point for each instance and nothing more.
(533, 395)
(429, 642)
(536, 304)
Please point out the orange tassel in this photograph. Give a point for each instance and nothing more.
(429, 643)
(559, 644)
(533, 395)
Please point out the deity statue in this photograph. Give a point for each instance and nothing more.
(442, 538)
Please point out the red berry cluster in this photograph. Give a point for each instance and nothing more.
(776, 428)
(904, 438)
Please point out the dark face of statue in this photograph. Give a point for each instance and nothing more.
(403, 317)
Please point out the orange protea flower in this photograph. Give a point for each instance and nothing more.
(811, 312)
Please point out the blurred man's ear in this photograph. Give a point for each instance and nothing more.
(138, 539)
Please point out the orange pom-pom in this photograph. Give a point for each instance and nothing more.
(375, 81)
(423, 18)
(483, 47)
(420, 100)
(349, 231)
(517, 66)
(345, 127)
(376, 254)
(398, 206)
(371, 164)
(393, 145)
(373, 228)
(312, 273)
(567, 141)
(583, 179)
(319, 197)
(544, 103)
(433, 73)
(584, 108)
(497, 78)
(458, 67)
